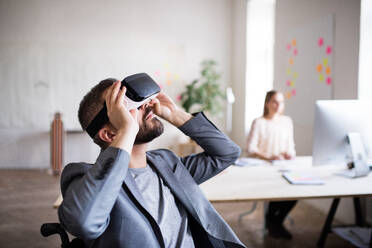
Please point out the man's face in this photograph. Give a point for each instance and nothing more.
(150, 127)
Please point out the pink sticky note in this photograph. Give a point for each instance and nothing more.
(329, 80)
(329, 50)
(179, 98)
(288, 83)
(295, 52)
(320, 42)
(293, 92)
(288, 46)
(157, 73)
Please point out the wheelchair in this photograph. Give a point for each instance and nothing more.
(48, 229)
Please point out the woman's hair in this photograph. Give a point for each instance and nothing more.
(268, 97)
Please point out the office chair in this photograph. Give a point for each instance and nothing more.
(48, 229)
(254, 207)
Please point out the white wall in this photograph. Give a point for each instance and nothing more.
(53, 52)
(365, 76)
(238, 69)
(293, 14)
(365, 55)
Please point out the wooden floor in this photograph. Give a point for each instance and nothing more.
(26, 198)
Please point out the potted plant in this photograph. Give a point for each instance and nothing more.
(204, 94)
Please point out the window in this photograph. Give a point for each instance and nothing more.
(260, 56)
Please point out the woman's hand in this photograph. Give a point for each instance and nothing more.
(287, 156)
(277, 157)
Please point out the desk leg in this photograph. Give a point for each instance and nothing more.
(328, 223)
(265, 209)
(358, 212)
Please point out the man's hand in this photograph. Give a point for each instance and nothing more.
(123, 120)
(165, 108)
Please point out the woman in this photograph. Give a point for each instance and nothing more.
(271, 138)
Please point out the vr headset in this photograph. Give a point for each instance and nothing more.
(141, 89)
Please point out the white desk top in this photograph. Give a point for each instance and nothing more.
(265, 182)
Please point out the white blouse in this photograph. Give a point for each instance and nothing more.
(271, 137)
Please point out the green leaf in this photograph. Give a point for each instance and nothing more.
(204, 93)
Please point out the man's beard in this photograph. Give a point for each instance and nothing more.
(147, 133)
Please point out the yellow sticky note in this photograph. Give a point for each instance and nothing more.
(176, 76)
(321, 77)
(325, 61)
(292, 83)
(295, 75)
(288, 71)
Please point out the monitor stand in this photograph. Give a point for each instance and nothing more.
(359, 166)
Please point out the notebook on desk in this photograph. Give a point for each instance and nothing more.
(246, 161)
(302, 178)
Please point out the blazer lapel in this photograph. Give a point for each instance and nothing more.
(174, 185)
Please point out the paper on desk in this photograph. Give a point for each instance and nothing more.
(302, 178)
(358, 236)
(285, 162)
(250, 162)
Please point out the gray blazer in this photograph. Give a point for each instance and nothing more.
(103, 206)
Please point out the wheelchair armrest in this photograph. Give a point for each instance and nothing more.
(48, 229)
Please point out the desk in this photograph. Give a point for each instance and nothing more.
(265, 183)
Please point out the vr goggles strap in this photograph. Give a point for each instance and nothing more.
(141, 89)
(97, 123)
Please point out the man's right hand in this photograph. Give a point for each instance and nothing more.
(121, 118)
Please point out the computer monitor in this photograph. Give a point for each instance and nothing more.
(334, 119)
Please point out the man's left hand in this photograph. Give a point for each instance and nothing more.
(165, 108)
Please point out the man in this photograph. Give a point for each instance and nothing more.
(139, 199)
